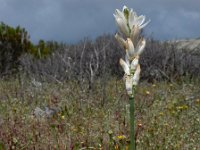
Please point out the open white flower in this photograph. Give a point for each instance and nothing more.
(135, 20)
(126, 20)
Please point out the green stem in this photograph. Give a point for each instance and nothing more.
(132, 123)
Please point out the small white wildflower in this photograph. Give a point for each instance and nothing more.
(135, 20)
(126, 20)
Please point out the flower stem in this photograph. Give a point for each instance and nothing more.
(132, 123)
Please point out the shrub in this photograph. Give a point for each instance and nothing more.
(13, 43)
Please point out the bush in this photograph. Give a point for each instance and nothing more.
(13, 43)
(89, 60)
(164, 60)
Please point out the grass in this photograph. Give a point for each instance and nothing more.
(167, 116)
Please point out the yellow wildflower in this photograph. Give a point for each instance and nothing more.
(183, 107)
(161, 113)
(62, 117)
(121, 137)
(147, 93)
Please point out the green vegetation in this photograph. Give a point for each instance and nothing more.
(14, 42)
(167, 115)
(44, 49)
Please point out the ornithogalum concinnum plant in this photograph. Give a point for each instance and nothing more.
(130, 39)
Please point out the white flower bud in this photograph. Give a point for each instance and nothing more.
(134, 63)
(124, 66)
(121, 41)
(130, 48)
(129, 84)
(136, 75)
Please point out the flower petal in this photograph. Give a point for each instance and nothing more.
(118, 13)
(140, 20)
(142, 26)
(134, 63)
(141, 45)
(135, 32)
(127, 59)
(130, 48)
(132, 18)
(125, 66)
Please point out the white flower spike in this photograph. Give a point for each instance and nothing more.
(130, 24)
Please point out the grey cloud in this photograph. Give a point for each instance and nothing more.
(71, 20)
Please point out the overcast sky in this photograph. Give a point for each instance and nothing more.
(72, 20)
